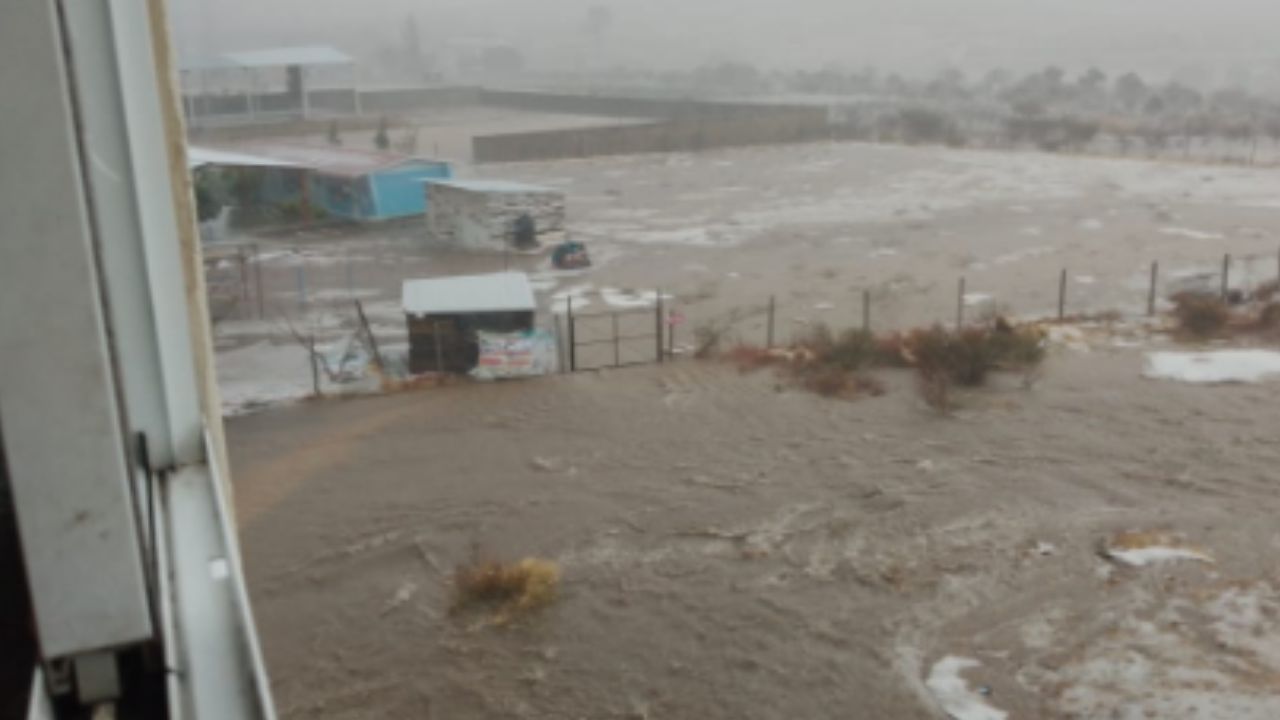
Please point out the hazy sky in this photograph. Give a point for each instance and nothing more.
(912, 36)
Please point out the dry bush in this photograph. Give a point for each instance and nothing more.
(1266, 291)
(850, 350)
(1269, 316)
(1018, 347)
(513, 588)
(710, 337)
(893, 351)
(935, 389)
(966, 357)
(834, 365)
(1200, 315)
(853, 350)
(834, 381)
(751, 357)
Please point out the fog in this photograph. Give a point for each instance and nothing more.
(1203, 42)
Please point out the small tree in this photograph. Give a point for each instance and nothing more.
(334, 137)
(1130, 90)
(381, 140)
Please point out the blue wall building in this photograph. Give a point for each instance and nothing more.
(349, 183)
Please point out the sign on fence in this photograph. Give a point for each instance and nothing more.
(514, 355)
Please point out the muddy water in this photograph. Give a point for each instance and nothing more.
(735, 549)
(817, 226)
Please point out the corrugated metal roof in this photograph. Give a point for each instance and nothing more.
(285, 56)
(495, 186)
(466, 294)
(199, 156)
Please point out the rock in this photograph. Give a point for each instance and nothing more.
(543, 464)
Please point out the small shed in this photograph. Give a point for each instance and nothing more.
(483, 214)
(443, 316)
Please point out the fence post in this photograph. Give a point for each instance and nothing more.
(1226, 271)
(257, 274)
(348, 274)
(435, 334)
(373, 341)
(560, 364)
(1062, 295)
(315, 371)
(1151, 296)
(617, 355)
(573, 342)
(671, 339)
(657, 324)
(768, 337)
(300, 274)
(960, 305)
(243, 261)
(866, 311)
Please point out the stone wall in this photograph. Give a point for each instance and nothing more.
(485, 220)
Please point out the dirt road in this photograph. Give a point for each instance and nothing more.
(733, 549)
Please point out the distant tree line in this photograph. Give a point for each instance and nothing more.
(1044, 109)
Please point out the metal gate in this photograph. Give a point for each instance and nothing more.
(615, 339)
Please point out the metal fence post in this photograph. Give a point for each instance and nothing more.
(1226, 272)
(257, 274)
(560, 364)
(866, 311)
(243, 262)
(348, 275)
(1062, 295)
(315, 371)
(960, 305)
(617, 355)
(1151, 296)
(300, 274)
(768, 337)
(657, 325)
(573, 342)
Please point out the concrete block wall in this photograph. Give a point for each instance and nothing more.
(679, 135)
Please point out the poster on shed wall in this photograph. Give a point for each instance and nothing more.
(515, 355)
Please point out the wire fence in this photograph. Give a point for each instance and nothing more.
(243, 285)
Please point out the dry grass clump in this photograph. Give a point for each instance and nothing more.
(1201, 315)
(1266, 292)
(850, 350)
(831, 381)
(967, 356)
(836, 365)
(1269, 317)
(515, 589)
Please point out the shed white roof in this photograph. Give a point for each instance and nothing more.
(198, 156)
(285, 56)
(494, 186)
(466, 294)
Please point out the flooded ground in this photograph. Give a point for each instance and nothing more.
(733, 549)
(1095, 545)
(815, 227)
